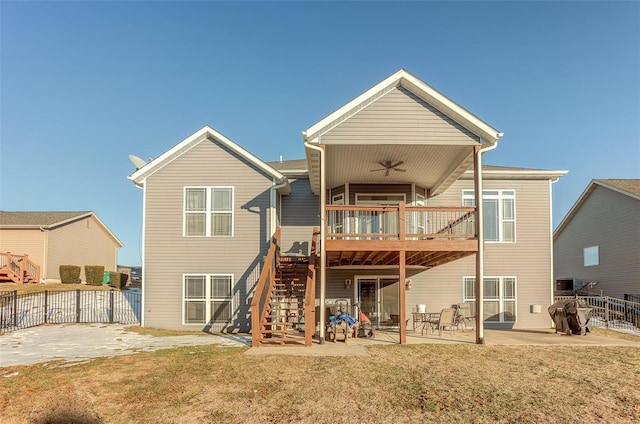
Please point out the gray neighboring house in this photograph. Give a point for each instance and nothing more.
(54, 238)
(390, 179)
(597, 244)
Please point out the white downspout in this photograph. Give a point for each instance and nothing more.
(323, 264)
(551, 182)
(480, 256)
(273, 217)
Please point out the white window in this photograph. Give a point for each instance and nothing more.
(499, 208)
(591, 256)
(499, 297)
(208, 211)
(207, 298)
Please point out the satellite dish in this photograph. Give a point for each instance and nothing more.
(137, 162)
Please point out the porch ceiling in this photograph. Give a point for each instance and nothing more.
(433, 167)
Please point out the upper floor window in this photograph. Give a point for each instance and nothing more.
(208, 211)
(591, 256)
(499, 213)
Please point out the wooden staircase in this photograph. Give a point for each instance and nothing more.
(283, 308)
(18, 269)
(284, 322)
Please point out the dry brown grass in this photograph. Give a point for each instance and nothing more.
(418, 383)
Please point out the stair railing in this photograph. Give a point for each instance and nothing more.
(310, 292)
(31, 269)
(264, 291)
(11, 264)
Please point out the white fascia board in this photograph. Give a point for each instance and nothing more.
(311, 133)
(448, 107)
(518, 174)
(422, 89)
(139, 175)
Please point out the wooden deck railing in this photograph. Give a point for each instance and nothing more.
(310, 292)
(264, 290)
(400, 222)
(19, 268)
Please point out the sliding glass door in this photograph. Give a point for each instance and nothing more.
(379, 300)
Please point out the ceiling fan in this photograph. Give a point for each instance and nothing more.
(388, 166)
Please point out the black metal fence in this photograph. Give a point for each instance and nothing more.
(19, 311)
(610, 312)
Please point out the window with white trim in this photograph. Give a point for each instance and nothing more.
(208, 211)
(207, 298)
(591, 256)
(499, 297)
(499, 207)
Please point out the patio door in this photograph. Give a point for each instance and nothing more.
(379, 300)
(375, 223)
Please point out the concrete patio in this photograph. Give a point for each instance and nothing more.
(358, 346)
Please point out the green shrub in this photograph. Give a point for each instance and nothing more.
(70, 274)
(114, 279)
(94, 274)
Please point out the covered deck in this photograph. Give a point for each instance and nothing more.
(375, 236)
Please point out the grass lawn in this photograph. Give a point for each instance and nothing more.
(416, 383)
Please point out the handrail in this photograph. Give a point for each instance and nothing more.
(267, 275)
(353, 222)
(310, 292)
(20, 267)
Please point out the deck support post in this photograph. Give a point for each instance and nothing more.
(402, 312)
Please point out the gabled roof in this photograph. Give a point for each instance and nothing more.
(294, 168)
(420, 88)
(205, 133)
(627, 187)
(47, 220)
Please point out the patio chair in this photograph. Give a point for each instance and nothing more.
(464, 316)
(445, 321)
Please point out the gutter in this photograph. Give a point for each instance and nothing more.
(323, 264)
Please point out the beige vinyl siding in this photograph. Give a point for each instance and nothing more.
(298, 216)
(528, 259)
(23, 241)
(400, 117)
(82, 242)
(168, 255)
(609, 220)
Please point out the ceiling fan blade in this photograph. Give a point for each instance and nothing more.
(380, 169)
(396, 164)
(384, 164)
(386, 172)
(400, 169)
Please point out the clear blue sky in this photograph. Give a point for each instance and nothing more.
(83, 85)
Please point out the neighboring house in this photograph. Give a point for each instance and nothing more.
(390, 180)
(51, 239)
(597, 245)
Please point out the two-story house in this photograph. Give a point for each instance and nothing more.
(390, 180)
